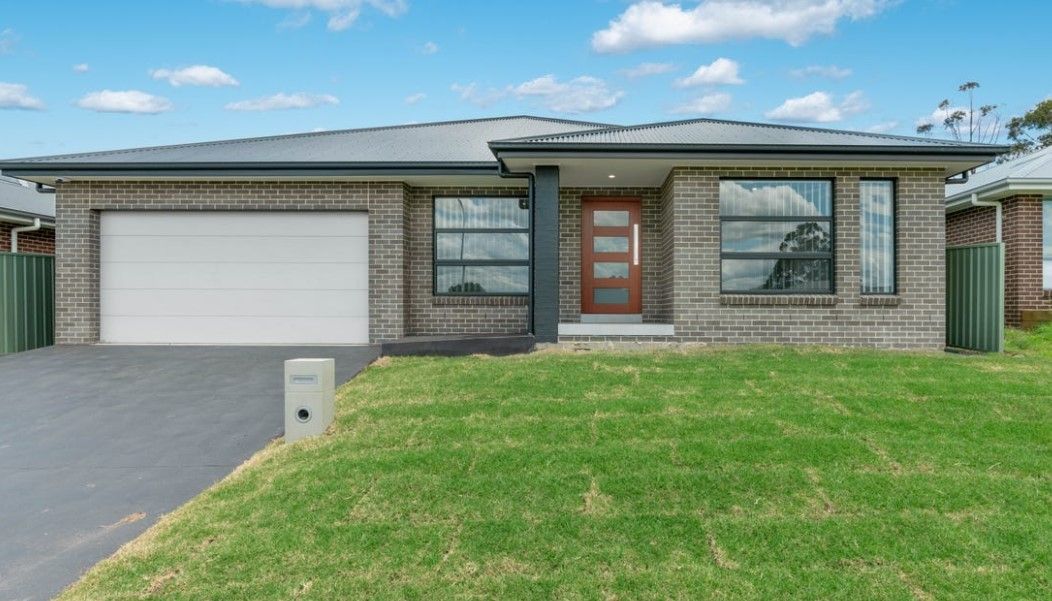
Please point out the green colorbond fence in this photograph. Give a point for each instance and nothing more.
(975, 297)
(27, 302)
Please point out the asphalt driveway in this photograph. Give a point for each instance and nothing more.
(96, 443)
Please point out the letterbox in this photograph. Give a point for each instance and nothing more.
(310, 397)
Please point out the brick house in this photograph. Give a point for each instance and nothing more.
(27, 219)
(702, 230)
(1011, 203)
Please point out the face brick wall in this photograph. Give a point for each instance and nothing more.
(429, 315)
(1022, 235)
(77, 240)
(39, 242)
(689, 231)
(916, 321)
(977, 225)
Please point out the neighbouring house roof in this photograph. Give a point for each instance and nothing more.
(461, 143)
(1030, 173)
(20, 201)
(715, 134)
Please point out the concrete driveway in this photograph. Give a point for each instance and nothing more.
(98, 442)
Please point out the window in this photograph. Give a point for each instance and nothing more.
(776, 236)
(482, 246)
(878, 236)
(1046, 223)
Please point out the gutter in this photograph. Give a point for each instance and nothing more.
(234, 169)
(502, 171)
(990, 151)
(973, 201)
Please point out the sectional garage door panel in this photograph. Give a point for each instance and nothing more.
(234, 277)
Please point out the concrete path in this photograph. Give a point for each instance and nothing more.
(97, 442)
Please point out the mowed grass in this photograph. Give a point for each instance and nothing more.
(752, 473)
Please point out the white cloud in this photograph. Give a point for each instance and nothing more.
(722, 71)
(16, 96)
(583, 94)
(827, 71)
(128, 101)
(819, 107)
(473, 94)
(655, 23)
(282, 101)
(195, 75)
(705, 105)
(648, 69)
(415, 98)
(342, 13)
(81, 68)
(295, 21)
(883, 127)
(429, 48)
(8, 39)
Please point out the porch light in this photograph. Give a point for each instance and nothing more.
(611, 176)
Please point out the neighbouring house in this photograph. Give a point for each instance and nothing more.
(1011, 203)
(702, 230)
(27, 218)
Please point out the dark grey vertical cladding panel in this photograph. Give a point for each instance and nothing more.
(546, 255)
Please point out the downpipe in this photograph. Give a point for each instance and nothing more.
(23, 230)
(502, 171)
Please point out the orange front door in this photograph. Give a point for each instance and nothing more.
(611, 269)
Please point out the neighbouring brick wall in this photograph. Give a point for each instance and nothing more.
(1022, 235)
(653, 251)
(77, 240)
(41, 241)
(428, 314)
(915, 319)
(977, 225)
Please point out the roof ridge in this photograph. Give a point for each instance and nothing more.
(665, 124)
(311, 134)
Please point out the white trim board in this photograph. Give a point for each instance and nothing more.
(617, 329)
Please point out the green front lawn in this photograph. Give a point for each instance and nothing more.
(731, 473)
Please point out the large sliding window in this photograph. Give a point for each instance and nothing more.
(1046, 223)
(878, 236)
(482, 246)
(776, 236)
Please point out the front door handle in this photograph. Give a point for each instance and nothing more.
(635, 244)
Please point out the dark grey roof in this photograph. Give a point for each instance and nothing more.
(18, 199)
(734, 135)
(449, 142)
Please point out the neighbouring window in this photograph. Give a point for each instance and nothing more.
(878, 236)
(1046, 223)
(482, 246)
(776, 236)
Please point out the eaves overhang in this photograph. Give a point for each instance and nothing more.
(998, 190)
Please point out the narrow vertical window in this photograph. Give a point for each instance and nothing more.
(1046, 252)
(878, 236)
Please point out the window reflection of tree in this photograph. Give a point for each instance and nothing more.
(795, 274)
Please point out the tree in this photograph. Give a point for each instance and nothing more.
(1032, 131)
(800, 275)
(983, 126)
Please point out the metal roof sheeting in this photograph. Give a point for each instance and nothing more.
(14, 197)
(426, 143)
(1036, 167)
(719, 133)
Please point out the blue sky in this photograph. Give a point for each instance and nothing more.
(78, 76)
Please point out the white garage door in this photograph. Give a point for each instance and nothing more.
(234, 278)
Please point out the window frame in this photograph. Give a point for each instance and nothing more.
(831, 220)
(436, 262)
(894, 236)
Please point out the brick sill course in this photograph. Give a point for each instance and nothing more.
(478, 301)
(807, 300)
(879, 300)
